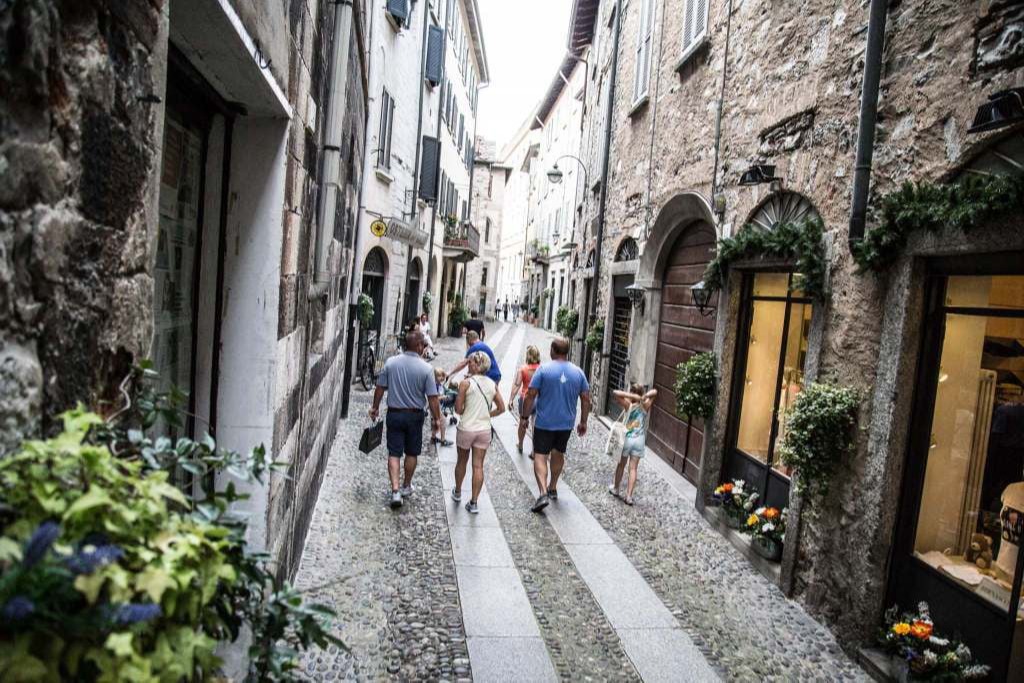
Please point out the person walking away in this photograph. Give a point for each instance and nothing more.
(409, 383)
(428, 342)
(473, 344)
(554, 390)
(477, 403)
(474, 324)
(636, 404)
(520, 386)
(437, 434)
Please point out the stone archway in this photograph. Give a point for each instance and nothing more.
(674, 257)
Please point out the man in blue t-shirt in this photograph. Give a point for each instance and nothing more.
(473, 344)
(554, 390)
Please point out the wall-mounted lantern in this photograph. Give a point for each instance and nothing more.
(1004, 108)
(758, 174)
(701, 297)
(637, 295)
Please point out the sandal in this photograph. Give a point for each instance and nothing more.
(614, 491)
(628, 500)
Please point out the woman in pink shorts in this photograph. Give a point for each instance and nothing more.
(478, 401)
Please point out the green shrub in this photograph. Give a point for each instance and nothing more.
(566, 321)
(109, 572)
(695, 386)
(819, 433)
(364, 310)
(457, 316)
(595, 335)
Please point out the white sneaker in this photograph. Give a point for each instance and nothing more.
(456, 495)
(406, 491)
(396, 500)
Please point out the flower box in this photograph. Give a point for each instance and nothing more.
(767, 548)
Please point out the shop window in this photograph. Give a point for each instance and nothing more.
(972, 496)
(776, 350)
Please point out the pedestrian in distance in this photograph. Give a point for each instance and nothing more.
(409, 383)
(554, 390)
(520, 386)
(636, 405)
(473, 344)
(477, 403)
(474, 324)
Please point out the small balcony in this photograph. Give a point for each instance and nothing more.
(538, 253)
(461, 241)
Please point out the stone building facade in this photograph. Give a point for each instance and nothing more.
(518, 155)
(701, 92)
(178, 181)
(489, 178)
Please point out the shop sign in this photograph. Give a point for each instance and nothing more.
(406, 234)
(379, 228)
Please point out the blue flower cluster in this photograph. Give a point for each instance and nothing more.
(17, 609)
(39, 544)
(90, 558)
(134, 613)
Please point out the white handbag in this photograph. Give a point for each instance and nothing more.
(616, 437)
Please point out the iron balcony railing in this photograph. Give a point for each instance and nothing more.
(463, 236)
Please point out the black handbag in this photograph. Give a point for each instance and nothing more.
(372, 436)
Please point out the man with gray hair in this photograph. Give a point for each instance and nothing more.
(473, 344)
(410, 386)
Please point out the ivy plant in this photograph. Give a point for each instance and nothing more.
(800, 241)
(566, 321)
(695, 386)
(364, 309)
(457, 316)
(428, 302)
(930, 207)
(819, 434)
(111, 572)
(595, 335)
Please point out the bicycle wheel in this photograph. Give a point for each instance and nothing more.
(367, 374)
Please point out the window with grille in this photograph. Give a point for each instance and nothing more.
(645, 40)
(695, 26)
(387, 122)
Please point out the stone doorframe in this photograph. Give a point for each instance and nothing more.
(679, 214)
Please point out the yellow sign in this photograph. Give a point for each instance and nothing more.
(378, 228)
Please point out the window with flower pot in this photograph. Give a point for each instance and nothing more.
(771, 352)
(963, 510)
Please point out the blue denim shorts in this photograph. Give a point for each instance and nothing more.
(405, 432)
(633, 448)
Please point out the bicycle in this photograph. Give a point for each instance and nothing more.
(366, 366)
(391, 348)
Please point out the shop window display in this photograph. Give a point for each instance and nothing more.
(774, 366)
(971, 515)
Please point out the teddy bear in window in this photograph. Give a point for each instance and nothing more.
(980, 551)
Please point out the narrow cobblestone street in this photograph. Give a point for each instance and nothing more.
(429, 593)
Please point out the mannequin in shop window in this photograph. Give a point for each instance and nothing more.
(1004, 464)
(1011, 519)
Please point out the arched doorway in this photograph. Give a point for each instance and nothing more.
(622, 310)
(413, 291)
(375, 273)
(682, 333)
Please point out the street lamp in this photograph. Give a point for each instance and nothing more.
(1004, 108)
(701, 295)
(636, 294)
(555, 174)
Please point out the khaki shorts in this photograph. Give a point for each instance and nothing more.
(469, 440)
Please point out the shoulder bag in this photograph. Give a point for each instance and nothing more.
(490, 402)
(617, 437)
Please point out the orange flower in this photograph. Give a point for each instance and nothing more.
(901, 629)
(921, 630)
(727, 488)
(771, 513)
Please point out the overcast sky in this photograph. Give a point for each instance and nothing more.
(525, 41)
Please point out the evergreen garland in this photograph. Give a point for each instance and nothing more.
(801, 241)
(931, 207)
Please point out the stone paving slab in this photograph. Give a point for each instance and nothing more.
(665, 655)
(494, 603)
(479, 547)
(510, 660)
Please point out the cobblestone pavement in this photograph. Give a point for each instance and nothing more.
(392, 577)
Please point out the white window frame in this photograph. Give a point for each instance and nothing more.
(387, 126)
(644, 45)
(691, 38)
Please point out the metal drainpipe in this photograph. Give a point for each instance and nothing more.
(654, 123)
(437, 176)
(868, 117)
(353, 288)
(419, 117)
(721, 106)
(609, 121)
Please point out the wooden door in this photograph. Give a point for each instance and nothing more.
(682, 332)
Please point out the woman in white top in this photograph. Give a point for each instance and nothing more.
(478, 401)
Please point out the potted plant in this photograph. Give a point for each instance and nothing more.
(566, 321)
(695, 386)
(457, 317)
(595, 335)
(364, 310)
(428, 302)
(766, 527)
(919, 653)
(736, 502)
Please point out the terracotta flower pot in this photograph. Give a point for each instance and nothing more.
(767, 548)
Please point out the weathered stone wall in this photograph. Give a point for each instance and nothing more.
(791, 99)
(78, 143)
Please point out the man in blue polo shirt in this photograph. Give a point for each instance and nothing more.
(555, 389)
(409, 383)
(473, 344)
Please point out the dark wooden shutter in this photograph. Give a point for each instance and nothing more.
(435, 55)
(429, 168)
(399, 9)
